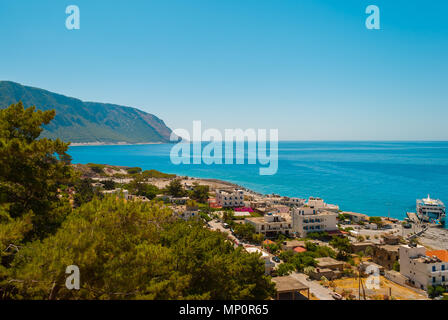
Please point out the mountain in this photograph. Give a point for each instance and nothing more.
(87, 122)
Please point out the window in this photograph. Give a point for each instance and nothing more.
(443, 267)
(443, 278)
(433, 279)
(433, 268)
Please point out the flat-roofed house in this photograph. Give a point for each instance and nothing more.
(386, 255)
(356, 217)
(423, 268)
(291, 244)
(308, 219)
(289, 288)
(361, 246)
(230, 199)
(329, 263)
(271, 225)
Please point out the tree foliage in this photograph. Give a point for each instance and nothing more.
(175, 188)
(129, 250)
(124, 249)
(141, 187)
(200, 193)
(31, 169)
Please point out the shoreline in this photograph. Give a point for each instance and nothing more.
(88, 144)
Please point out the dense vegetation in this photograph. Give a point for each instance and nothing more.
(124, 249)
(294, 261)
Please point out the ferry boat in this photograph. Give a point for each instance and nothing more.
(431, 210)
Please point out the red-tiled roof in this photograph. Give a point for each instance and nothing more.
(336, 232)
(441, 254)
(299, 249)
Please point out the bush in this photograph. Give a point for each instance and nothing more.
(396, 266)
(157, 174)
(97, 168)
(318, 235)
(434, 292)
(244, 230)
(285, 269)
(134, 170)
(108, 184)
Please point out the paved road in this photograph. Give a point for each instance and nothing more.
(318, 290)
(216, 225)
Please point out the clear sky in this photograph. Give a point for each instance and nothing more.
(307, 67)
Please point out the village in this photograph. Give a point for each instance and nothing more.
(310, 248)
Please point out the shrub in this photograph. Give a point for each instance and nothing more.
(134, 170)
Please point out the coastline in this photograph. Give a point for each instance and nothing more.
(435, 238)
(87, 144)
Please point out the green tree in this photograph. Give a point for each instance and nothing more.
(396, 266)
(342, 244)
(175, 188)
(244, 230)
(285, 269)
(435, 291)
(84, 191)
(257, 238)
(228, 216)
(200, 193)
(32, 170)
(140, 187)
(108, 184)
(136, 250)
(377, 220)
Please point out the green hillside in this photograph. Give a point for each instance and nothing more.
(81, 122)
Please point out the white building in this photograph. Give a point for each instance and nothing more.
(421, 268)
(273, 200)
(307, 219)
(228, 199)
(319, 204)
(185, 212)
(271, 224)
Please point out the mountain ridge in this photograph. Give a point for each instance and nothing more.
(85, 122)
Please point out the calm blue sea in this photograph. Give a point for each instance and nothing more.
(375, 178)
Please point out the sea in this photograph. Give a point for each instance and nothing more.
(376, 178)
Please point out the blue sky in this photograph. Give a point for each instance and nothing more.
(309, 68)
